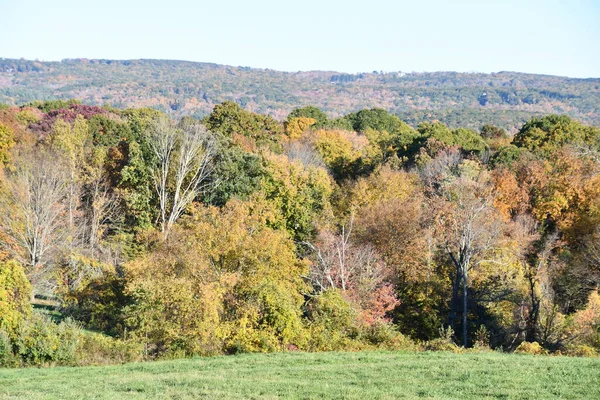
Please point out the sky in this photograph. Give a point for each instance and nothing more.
(544, 37)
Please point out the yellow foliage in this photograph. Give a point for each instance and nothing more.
(586, 323)
(300, 194)
(295, 127)
(15, 293)
(223, 281)
(530, 348)
(383, 185)
(336, 147)
(7, 141)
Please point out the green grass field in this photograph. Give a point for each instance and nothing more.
(364, 375)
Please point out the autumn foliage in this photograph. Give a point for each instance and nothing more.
(238, 233)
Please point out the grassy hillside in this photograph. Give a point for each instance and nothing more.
(380, 375)
(470, 100)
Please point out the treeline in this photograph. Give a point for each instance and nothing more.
(467, 100)
(128, 234)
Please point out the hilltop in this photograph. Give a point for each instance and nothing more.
(506, 99)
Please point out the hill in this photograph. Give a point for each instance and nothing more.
(379, 375)
(506, 99)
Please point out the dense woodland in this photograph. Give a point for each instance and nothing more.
(460, 100)
(131, 233)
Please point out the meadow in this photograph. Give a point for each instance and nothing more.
(359, 375)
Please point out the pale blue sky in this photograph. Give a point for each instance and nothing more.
(551, 37)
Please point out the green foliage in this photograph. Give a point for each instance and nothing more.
(40, 341)
(237, 174)
(7, 355)
(330, 310)
(300, 193)
(131, 175)
(468, 140)
(310, 112)
(98, 349)
(50, 105)
(377, 119)
(105, 131)
(445, 341)
(546, 134)
(507, 155)
(99, 304)
(230, 119)
(489, 131)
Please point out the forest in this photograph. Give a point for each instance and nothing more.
(136, 234)
(460, 100)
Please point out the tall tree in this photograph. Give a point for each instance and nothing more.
(183, 155)
(468, 225)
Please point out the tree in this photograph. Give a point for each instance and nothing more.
(99, 201)
(7, 141)
(72, 143)
(467, 223)
(237, 174)
(33, 210)
(546, 134)
(184, 155)
(222, 281)
(469, 141)
(231, 120)
(377, 119)
(300, 194)
(295, 127)
(310, 112)
(489, 131)
(355, 269)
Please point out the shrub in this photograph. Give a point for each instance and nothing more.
(385, 335)
(40, 341)
(332, 311)
(444, 342)
(530, 348)
(7, 356)
(98, 349)
(15, 292)
(482, 339)
(582, 351)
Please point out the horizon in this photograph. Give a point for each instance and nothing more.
(63, 60)
(431, 36)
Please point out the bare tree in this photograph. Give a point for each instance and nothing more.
(34, 210)
(184, 155)
(303, 151)
(471, 230)
(342, 264)
(100, 207)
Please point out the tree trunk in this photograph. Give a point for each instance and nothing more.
(531, 330)
(464, 313)
(454, 302)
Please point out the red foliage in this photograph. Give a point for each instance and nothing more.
(44, 126)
